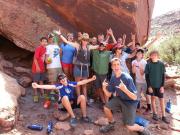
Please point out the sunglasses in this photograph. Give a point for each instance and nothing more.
(61, 77)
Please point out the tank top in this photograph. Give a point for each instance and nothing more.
(82, 57)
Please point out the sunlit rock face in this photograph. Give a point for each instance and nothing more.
(24, 22)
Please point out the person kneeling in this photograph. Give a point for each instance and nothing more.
(126, 99)
(66, 93)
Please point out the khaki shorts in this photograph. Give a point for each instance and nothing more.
(53, 73)
(128, 109)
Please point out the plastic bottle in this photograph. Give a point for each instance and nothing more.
(168, 106)
(141, 121)
(36, 127)
(50, 127)
(47, 104)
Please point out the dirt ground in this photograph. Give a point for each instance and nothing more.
(35, 113)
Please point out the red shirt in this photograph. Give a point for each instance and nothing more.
(39, 55)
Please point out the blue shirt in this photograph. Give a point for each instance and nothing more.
(128, 81)
(68, 53)
(68, 90)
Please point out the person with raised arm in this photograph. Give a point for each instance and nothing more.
(126, 99)
(67, 98)
(81, 60)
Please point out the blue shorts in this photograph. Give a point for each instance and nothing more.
(78, 73)
(39, 77)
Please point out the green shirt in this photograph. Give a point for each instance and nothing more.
(156, 71)
(100, 61)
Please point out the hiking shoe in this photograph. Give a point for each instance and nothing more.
(36, 99)
(164, 119)
(107, 128)
(73, 122)
(155, 117)
(87, 119)
(145, 132)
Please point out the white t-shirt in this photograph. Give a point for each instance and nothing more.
(139, 77)
(53, 52)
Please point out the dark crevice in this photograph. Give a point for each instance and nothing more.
(12, 53)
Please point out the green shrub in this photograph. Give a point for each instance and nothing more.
(170, 50)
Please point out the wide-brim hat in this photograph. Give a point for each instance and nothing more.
(85, 36)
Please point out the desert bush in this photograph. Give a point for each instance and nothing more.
(170, 50)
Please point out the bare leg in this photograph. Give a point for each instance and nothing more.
(66, 72)
(148, 99)
(153, 102)
(161, 100)
(42, 90)
(84, 88)
(66, 103)
(35, 91)
(108, 114)
(71, 73)
(101, 94)
(78, 88)
(82, 101)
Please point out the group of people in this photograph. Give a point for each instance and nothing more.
(120, 75)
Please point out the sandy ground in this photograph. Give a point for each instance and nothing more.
(35, 113)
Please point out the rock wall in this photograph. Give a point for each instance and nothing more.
(24, 22)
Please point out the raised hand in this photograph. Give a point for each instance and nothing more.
(105, 84)
(110, 32)
(35, 85)
(121, 86)
(133, 37)
(124, 36)
(58, 32)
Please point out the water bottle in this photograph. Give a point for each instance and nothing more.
(50, 127)
(141, 121)
(36, 127)
(52, 96)
(47, 104)
(168, 106)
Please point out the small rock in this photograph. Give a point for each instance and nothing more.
(62, 126)
(164, 126)
(101, 121)
(88, 132)
(61, 117)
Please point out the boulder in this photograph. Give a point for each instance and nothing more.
(25, 81)
(10, 92)
(169, 83)
(24, 22)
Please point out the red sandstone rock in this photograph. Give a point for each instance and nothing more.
(24, 22)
